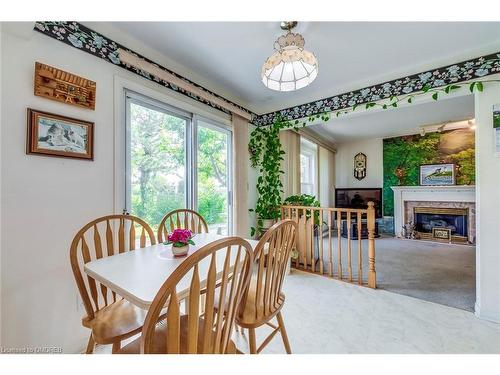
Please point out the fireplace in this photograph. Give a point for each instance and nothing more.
(442, 224)
(457, 201)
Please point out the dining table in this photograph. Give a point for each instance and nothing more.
(137, 275)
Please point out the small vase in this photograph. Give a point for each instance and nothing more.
(180, 251)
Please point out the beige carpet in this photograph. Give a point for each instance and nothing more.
(439, 273)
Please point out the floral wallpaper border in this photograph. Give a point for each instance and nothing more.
(455, 73)
(77, 35)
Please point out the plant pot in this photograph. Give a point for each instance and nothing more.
(180, 251)
(267, 223)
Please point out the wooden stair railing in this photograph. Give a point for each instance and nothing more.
(321, 248)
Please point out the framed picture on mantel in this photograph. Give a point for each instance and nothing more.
(437, 174)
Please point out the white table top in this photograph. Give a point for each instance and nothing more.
(138, 275)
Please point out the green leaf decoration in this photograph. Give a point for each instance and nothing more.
(426, 88)
(191, 242)
(471, 87)
(435, 96)
(410, 100)
(479, 86)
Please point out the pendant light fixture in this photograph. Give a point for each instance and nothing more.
(291, 67)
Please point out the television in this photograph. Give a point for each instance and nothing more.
(359, 198)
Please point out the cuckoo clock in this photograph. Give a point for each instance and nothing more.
(360, 166)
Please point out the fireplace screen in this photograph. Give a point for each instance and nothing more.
(426, 219)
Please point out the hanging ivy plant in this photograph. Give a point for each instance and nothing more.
(266, 154)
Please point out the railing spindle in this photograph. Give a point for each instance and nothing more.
(360, 252)
(370, 220)
(320, 239)
(339, 244)
(330, 252)
(311, 240)
(349, 266)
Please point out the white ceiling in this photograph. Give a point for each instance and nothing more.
(351, 55)
(394, 122)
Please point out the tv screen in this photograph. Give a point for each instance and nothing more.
(359, 198)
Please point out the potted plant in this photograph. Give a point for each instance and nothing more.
(180, 239)
(306, 200)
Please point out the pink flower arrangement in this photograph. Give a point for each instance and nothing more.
(180, 237)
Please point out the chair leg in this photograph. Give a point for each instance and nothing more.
(117, 345)
(90, 345)
(253, 344)
(283, 333)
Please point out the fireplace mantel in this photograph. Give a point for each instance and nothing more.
(457, 188)
(455, 193)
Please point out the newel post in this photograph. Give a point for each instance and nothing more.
(370, 218)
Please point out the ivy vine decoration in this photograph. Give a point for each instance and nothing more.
(266, 154)
(394, 101)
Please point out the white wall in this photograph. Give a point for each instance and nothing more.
(46, 200)
(488, 207)
(344, 164)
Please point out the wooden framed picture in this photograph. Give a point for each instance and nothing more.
(437, 174)
(53, 135)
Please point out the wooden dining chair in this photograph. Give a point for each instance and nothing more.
(264, 299)
(110, 317)
(184, 219)
(225, 263)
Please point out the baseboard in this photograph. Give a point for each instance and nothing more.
(491, 316)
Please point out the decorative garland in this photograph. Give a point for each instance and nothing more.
(77, 35)
(392, 102)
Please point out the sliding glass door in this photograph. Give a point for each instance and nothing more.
(213, 154)
(175, 159)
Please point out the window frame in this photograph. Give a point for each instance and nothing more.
(311, 154)
(191, 144)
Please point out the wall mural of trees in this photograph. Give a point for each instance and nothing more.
(404, 155)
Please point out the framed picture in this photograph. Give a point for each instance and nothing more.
(54, 135)
(437, 174)
(441, 233)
